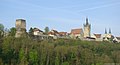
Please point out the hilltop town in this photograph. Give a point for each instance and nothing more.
(78, 33)
(37, 47)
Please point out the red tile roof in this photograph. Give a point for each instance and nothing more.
(76, 31)
(63, 33)
(53, 32)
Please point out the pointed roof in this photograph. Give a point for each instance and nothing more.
(105, 31)
(109, 31)
(87, 21)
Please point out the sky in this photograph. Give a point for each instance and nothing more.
(63, 15)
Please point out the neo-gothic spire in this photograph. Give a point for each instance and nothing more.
(105, 31)
(87, 21)
(109, 31)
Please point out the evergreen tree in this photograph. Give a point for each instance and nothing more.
(12, 31)
(31, 31)
(46, 30)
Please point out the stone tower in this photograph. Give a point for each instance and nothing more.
(20, 27)
(87, 29)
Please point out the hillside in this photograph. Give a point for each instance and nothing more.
(25, 51)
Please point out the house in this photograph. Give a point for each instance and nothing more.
(77, 33)
(63, 33)
(39, 35)
(116, 39)
(54, 34)
(37, 32)
(108, 37)
(97, 37)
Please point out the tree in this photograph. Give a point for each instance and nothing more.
(33, 57)
(1, 40)
(1, 30)
(22, 57)
(115, 55)
(12, 31)
(65, 63)
(8, 51)
(46, 30)
(1, 27)
(57, 61)
(31, 31)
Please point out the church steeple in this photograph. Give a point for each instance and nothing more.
(87, 21)
(105, 31)
(87, 28)
(109, 31)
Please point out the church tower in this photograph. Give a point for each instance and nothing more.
(87, 29)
